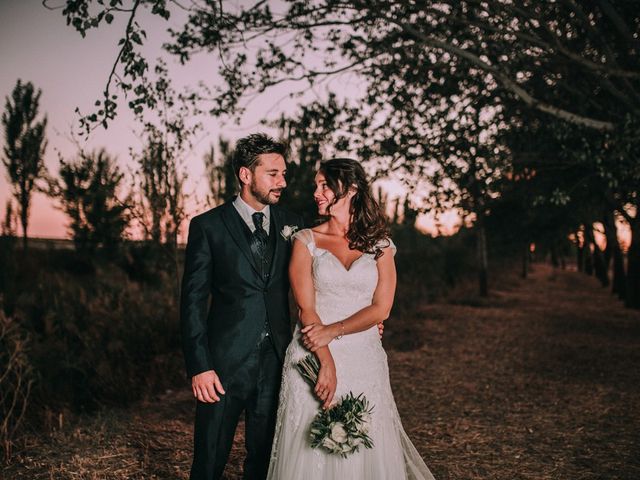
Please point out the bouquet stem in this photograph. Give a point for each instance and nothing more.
(309, 367)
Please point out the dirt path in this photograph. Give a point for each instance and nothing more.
(542, 381)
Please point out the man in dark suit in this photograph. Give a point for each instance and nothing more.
(234, 311)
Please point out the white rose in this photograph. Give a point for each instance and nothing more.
(288, 230)
(329, 444)
(338, 433)
(356, 442)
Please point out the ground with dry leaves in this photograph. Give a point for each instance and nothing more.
(540, 381)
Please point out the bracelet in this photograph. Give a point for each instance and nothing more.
(338, 337)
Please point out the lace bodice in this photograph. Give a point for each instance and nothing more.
(340, 292)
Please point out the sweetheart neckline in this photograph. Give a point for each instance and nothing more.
(338, 260)
(313, 240)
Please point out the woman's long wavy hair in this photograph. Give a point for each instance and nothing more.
(368, 231)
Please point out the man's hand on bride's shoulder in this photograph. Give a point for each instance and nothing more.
(206, 387)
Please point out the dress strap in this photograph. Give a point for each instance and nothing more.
(387, 242)
(306, 237)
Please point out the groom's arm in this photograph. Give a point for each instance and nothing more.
(194, 305)
(194, 301)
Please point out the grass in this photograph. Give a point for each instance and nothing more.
(540, 381)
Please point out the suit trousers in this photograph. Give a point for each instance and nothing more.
(254, 389)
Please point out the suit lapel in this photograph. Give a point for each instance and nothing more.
(232, 221)
(280, 242)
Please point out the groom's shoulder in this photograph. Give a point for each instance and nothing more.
(213, 214)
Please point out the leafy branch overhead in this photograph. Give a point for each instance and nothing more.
(130, 67)
(531, 52)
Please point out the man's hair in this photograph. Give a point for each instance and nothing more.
(249, 147)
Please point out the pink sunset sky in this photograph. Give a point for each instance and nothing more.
(39, 47)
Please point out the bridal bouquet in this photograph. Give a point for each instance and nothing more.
(343, 428)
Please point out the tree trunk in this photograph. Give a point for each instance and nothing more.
(525, 260)
(579, 255)
(587, 258)
(599, 267)
(554, 256)
(613, 246)
(632, 299)
(481, 244)
(24, 219)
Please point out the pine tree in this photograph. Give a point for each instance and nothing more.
(24, 146)
(88, 193)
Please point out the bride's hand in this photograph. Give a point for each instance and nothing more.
(317, 335)
(327, 381)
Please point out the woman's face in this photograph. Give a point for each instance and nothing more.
(324, 197)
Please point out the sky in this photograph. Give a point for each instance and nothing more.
(36, 45)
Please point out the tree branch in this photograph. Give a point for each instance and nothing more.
(509, 84)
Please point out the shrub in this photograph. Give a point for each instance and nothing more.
(101, 341)
(97, 337)
(16, 380)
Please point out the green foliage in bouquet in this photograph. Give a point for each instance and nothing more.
(344, 428)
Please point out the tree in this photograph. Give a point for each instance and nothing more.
(591, 177)
(614, 252)
(161, 182)
(167, 134)
(88, 192)
(610, 161)
(525, 47)
(575, 65)
(25, 145)
(314, 133)
(9, 225)
(221, 178)
(466, 159)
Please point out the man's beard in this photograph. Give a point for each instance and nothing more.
(263, 197)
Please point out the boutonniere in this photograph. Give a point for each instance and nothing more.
(288, 230)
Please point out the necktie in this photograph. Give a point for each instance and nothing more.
(259, 240)
(259, 247)
(258, 220)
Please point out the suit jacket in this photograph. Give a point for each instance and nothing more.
(225, 301)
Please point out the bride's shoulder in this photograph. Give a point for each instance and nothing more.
(385, 244)
(305, 236)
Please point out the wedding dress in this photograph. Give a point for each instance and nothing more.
(361, 367)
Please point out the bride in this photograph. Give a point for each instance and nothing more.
(343, 279)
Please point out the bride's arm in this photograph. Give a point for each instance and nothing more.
(301, 279)
(319, 336)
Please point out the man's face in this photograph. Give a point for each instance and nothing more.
(267, 181)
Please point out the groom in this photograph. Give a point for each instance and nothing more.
(234, 311)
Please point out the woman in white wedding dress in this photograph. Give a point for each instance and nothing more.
(343, 279)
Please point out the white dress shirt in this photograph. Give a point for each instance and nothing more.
(246, 212)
